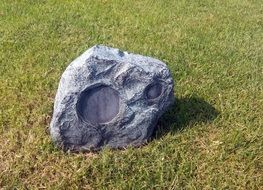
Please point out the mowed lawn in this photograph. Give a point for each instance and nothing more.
(211, 138)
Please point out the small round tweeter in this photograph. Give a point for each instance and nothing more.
(154, 91)
(98, 105)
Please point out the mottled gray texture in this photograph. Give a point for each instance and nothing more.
(107, 97)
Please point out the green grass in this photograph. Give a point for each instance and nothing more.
(212, 138)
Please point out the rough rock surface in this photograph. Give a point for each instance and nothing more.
(107, 97)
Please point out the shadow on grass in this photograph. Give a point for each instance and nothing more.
(183, 113)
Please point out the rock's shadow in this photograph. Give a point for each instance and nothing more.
(184, 112)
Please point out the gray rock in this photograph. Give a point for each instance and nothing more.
(107, 97)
